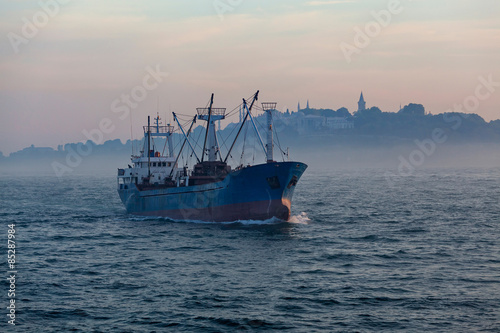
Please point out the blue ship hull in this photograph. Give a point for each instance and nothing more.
(257, 192)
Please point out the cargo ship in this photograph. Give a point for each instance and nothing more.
(212, 191)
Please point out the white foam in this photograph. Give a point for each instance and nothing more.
(167, 219)
(302, 218)
(297, 219)
(268, 221)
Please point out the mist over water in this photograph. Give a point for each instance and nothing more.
(323, 156)
(389, 157)
(357, 255)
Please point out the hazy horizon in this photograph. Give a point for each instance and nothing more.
(397, 160)
(72, 71)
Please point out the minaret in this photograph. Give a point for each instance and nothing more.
(308, 104)
(361, 103)
(298, 107)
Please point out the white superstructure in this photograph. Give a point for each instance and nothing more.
(151, 167)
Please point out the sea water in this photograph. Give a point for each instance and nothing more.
(361, 253)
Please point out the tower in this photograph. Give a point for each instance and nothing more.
(298, 107)
(361, 103)
(307, 105)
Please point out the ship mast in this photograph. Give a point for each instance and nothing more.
(158, 131)
(268, 108)
(208, 127)
(211, 115)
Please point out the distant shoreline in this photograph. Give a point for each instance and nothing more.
(320, 128)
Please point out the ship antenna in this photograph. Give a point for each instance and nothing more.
(208, 126)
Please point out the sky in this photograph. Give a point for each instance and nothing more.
(67, 67)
